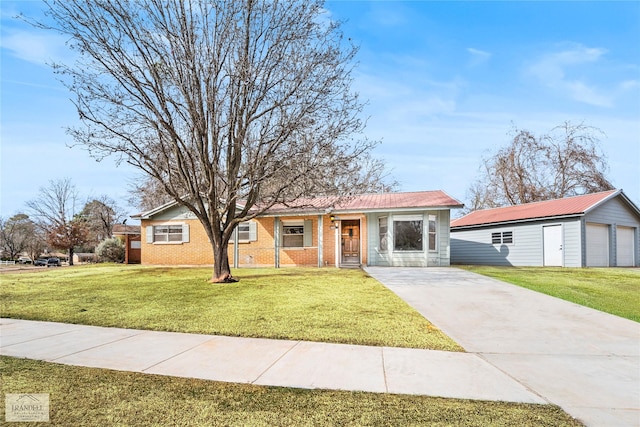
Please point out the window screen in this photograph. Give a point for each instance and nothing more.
(293, 236)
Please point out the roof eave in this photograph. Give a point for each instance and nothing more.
(154, 211)
(603, 200)
(613, 195)
(516, 221)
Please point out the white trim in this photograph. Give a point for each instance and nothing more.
(415, 217)
(151, 233)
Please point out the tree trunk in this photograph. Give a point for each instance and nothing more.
(70, 256)
(221, 268)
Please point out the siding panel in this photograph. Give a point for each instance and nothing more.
(475, 247)
(613, 212)
(424, 258)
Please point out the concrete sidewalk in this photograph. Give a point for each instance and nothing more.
(264, 362)
(583, 360)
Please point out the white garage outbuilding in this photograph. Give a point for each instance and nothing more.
(594, 230)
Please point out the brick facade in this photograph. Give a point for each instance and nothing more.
(258, 253)
(196, 252)
(353, 238)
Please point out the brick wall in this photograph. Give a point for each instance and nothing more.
(257, 253)
(196, 252)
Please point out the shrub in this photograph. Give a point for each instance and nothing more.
(110, 250)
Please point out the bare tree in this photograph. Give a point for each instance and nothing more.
(218, 101)
(100, 214)
(55, 211)
(564, 162)
(367, 175)
(15, 234)
(37, 243)
(147, 193)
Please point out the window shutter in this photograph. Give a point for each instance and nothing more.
(253, 231)
(185, 233)
(308, 230)
(149, 233)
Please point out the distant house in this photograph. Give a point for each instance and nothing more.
(594, 230)
(392, 229)
(130, 237)
(84, 257)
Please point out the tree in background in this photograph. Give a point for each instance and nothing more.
(217, 101)
(37, 244)
(564, 162)
(110, 250)
(55, 211)
(147, 193)
(100, 214)
(15, 235)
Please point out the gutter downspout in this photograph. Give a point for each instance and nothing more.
(320, 241)
(276, 242)
(236, 248)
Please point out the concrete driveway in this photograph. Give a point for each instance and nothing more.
(583, 360)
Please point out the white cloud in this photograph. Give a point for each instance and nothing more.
(555, 70)
(478, 56)
(392, 14)
(628, 85)
(36, 47)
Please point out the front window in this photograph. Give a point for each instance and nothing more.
(243, 231)
(292, 236)
(383, 233)
(167, 233)
(407, 235)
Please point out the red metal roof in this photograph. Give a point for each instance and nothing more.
(551, 208)
(362, 202)
(369, 202)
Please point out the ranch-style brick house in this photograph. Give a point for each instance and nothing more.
(388, 229)
(594, 230)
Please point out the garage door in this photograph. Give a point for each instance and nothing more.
(625, 248)
(597, 245)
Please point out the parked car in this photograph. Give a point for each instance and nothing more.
(24, 260)
(53, 262)
(40, 262)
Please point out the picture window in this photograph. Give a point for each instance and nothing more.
(407, 235)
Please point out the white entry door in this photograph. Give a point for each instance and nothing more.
(552, 235)
(625, 248)
(597, 245)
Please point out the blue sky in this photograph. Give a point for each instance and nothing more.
(445, 84)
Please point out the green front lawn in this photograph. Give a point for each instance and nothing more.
(612, 290)
(311, 304)
(88, 397)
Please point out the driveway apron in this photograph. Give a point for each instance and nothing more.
(584, 360)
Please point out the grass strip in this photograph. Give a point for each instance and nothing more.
(88, 397)
(612, 290)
